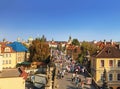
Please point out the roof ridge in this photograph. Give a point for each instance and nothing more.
(101, 51)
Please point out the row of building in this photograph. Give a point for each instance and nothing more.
(107, 58)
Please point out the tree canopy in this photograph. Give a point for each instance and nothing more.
(39, 50)
(75, 42)
(87, 48)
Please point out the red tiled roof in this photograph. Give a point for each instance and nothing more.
(101, 44)
(109, 52)
(72, 47)
(3, 46)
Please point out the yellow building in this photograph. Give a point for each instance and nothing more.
(108, 58)
(12, 83)
(12, 54)
(9, 79)
(8, 56)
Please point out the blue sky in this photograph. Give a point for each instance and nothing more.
(58, 19)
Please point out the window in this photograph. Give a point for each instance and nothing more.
(110, 77)
(102, 63)
(118, 63)
(7, 49)
(3, 56)
(9, 61)
(110, 63)
(9, 55)
(3, 62)
(19, 59)
(118, 77)
(6, 61)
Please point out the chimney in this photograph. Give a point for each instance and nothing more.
(105, 42)
(111, 42)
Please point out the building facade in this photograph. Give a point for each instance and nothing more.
(12, 54)
(108, 58)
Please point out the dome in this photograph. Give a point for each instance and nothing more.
(30, 39)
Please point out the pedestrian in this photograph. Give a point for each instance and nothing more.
(62, 74)
(32, 78)
(76, 81)
(73, 77)
(82, 84)
(79, 79)
(58, 75)
(76, 70)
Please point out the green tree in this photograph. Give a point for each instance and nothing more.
(105, 83)
(85, 48)
(80, 58)
(39, 50)
(75, 42)
(59, 47)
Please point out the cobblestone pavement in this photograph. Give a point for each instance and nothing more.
(66, 83)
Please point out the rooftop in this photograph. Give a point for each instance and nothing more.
(18, 47)
(109, 52)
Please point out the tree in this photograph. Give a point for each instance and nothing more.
(87, 47)
(39, 50)
(75, 42)
(105, 84)
(59, 47)
(80, 58)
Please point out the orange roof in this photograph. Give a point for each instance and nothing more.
(3, 46)
(101, 44)
(72, 47)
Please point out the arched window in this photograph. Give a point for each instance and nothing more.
(110, 77)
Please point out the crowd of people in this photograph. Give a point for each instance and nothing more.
(66, 65)
(76, 79)
(75, 70)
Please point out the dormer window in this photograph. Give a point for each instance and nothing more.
(108, 51)
(7, 49)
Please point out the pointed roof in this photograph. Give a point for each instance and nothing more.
(18, 47)
(109, 52)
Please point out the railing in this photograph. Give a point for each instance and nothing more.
(93, 81)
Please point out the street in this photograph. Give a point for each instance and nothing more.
(66, 83)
